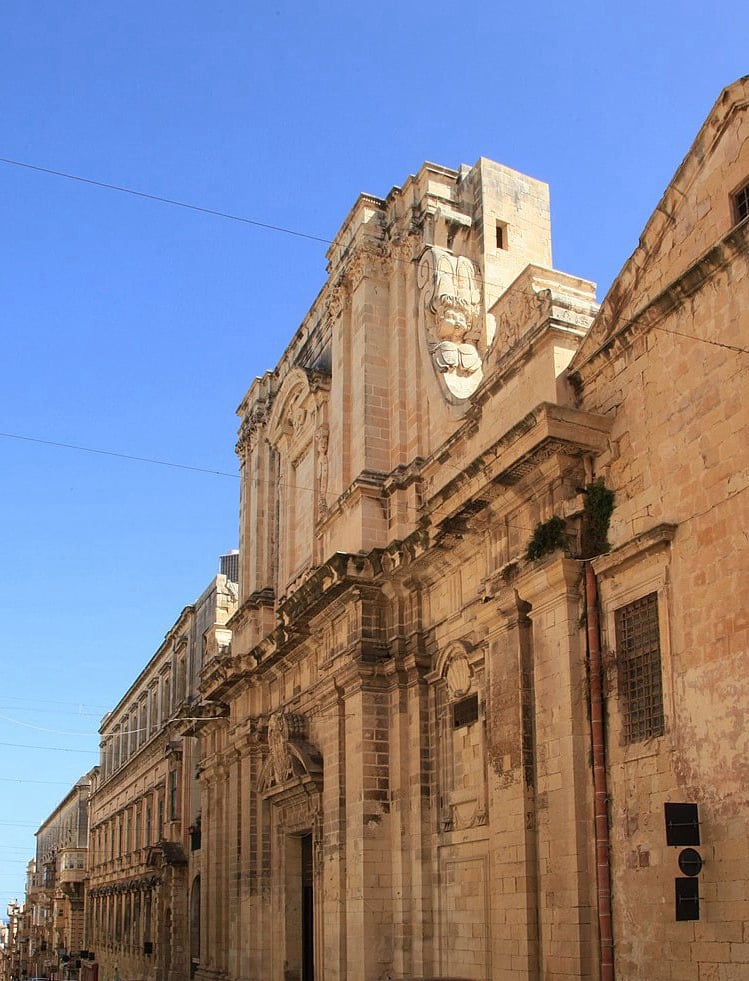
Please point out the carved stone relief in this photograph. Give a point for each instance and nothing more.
(458, 676)
(278, 746)
(451, 308)
(462, 751)
(321, 438)
(249, 431)
(291, 759)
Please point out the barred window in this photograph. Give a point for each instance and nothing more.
(638, 652)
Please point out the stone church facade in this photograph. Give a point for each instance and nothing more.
(461, 688)
(470, 702)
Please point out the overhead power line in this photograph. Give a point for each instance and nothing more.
(48, 749)
(163, 200)
(269, 227)
(122, 456)
(30, 725)
(56, 783)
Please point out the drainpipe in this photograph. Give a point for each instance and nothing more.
(600, 807)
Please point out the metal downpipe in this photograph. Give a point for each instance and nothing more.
(600, 805)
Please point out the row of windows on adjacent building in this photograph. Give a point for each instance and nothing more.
(123, 920)
(146, 717)
(137, 826)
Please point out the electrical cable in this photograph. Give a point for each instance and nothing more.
(30, 725)
(277, 228)
(692, 337)
(123, 456)
(254, 481)
(163, 200)
(56, 783)
(48, 749)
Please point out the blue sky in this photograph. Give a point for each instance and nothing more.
(135, 327)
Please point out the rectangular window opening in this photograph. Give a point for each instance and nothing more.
(466, 711)
(172, 795)
(502, 235)
(740, 203)
(638, 653)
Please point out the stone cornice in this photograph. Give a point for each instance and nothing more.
(654, 539)
(369, 483)
(548, 429)
(621, 336)
(254, 602)
(109, 887)
(403, 476)
(341, 573)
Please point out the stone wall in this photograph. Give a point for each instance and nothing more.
(669, 365)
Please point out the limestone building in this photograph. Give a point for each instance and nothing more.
(667, 361)
(14, 951)
(460, 688)
(54, 890)
(144, 870)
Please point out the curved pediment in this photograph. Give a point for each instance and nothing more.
(292, 759)
(295, 409)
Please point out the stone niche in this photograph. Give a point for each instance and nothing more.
(298, 432)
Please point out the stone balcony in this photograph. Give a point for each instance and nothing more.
(71, 866)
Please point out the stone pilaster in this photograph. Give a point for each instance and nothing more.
(512, 799)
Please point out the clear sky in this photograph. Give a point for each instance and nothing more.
(136, 327)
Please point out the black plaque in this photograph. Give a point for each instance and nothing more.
(682, 824)
(690, 862)
(687, 899)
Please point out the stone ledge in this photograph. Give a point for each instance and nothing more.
(654, 538)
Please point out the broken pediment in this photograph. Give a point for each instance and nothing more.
(298, 409)
(291, 758)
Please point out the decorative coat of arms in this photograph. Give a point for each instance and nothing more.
(278, 744)
(451, 299)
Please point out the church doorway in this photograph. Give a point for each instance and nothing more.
(300, 909)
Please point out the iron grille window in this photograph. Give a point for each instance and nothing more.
(639, 659)
(466, 711)
(741, 203)
(172, 795)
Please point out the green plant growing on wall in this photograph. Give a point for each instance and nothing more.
(599, 506)
(548, 536)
